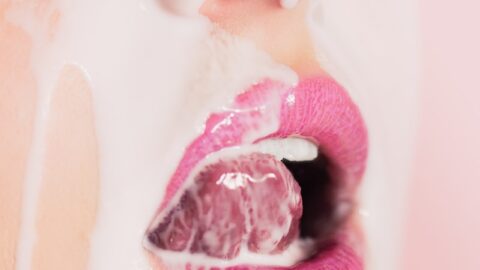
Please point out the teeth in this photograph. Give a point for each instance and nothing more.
(293, 149)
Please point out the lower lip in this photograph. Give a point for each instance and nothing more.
(342, 252)
(317, 109)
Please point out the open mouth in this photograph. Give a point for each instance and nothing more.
(270, 184)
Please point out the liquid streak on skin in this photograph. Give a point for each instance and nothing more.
(67, 208)
(40, 18)
(105, 61)
(64, 183)
(131, 126)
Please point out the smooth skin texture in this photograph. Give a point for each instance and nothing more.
(68, 200)
(283, 33)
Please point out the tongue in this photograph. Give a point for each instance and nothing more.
(248, 202)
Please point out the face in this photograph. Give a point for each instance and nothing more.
(106, 112)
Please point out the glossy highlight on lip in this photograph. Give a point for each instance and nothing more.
(317, 109)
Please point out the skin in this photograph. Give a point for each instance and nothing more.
(68, 200)
(66, 209)
(288, 40)
(17, 94)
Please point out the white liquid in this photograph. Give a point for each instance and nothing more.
(151, 95)
(290, 148)
(155, 79)
(298, 249)
(303, 151)
(45, 66)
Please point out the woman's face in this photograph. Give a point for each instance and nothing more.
(99, 104)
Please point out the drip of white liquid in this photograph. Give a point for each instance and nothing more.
(154, 78)
(137, 57)
(44, 63)
(293, 149)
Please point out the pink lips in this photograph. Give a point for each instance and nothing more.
(318, 109)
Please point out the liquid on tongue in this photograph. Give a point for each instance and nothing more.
(249, 202)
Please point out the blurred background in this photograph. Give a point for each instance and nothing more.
(443, 224)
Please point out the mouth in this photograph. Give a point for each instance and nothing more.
(270, 184)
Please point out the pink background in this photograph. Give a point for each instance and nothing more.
(443, 228)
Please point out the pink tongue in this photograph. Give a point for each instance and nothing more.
(248, 202)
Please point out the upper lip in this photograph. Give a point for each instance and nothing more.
(317, 109)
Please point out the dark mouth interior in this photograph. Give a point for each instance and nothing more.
(322, 203)
(320, 199)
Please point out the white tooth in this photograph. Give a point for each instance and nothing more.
(293, 149)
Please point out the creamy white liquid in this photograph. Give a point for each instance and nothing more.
(45, 66)
(290, 148)
(155, 77)
(297, 251)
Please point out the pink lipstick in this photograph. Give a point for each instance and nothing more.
(220, 206)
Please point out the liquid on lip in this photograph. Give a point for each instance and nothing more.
(101, 37)
(176, 260)
(150, 72)
(297, 251)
